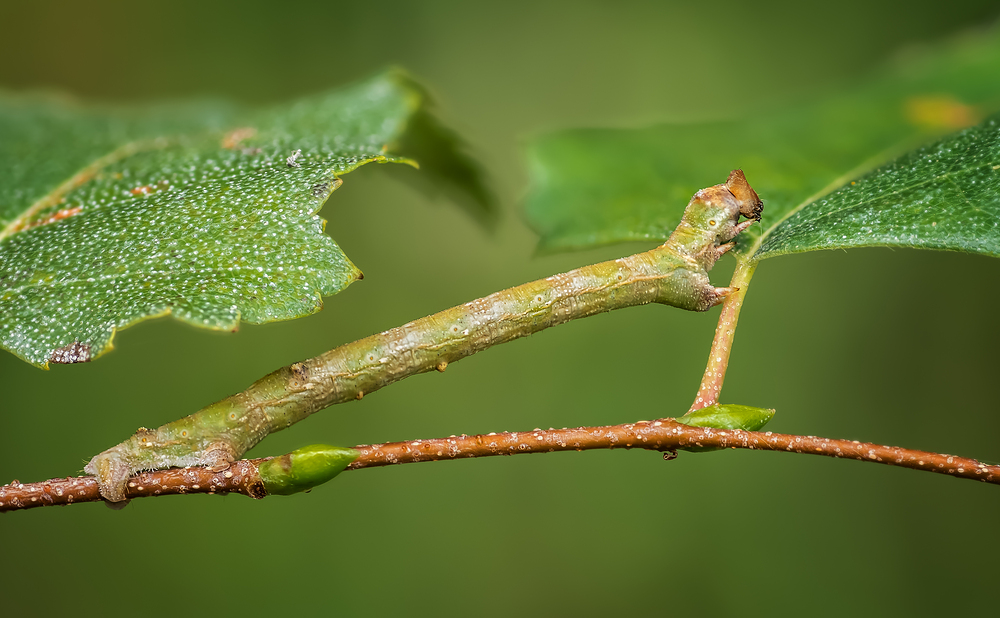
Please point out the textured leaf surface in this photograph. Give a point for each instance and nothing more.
(596, 186)
(206, 212)
(942, 196)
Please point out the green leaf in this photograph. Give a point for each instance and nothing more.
(596, 186)
(203, 211)
(942, 196)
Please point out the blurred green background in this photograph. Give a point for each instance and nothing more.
(886, 346)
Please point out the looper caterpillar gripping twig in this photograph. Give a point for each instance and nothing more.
(675, 273)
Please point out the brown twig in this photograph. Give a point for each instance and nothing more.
(241, 477)
(663, 435)
(725, 333)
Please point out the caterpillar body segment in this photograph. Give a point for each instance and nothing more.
(675, 273)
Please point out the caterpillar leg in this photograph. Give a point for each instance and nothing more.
(156, 450)
(742, 226)
(721, 294)
(721, 250)
(112, 471)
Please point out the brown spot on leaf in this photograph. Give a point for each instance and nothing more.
(75, 352)
(147, 189)
(320, 189)
(940, 112)
(233, 138)
(325, 188)
(59, 215)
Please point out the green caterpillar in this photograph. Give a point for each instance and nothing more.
(675, 273)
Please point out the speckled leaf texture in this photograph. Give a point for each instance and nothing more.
(599, 186)
(942, 196)
(203, 211)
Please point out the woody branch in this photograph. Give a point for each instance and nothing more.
(665, 435)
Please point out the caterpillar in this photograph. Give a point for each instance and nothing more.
(675, 273)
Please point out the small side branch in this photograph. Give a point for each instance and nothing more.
(665, 435)
(725, 333)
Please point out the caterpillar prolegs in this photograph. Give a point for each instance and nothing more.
(675, 273)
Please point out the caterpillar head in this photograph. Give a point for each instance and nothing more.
(715, 212)
(750, 205)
